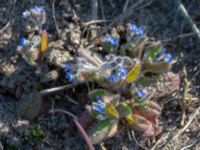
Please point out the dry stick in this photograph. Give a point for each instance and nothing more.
(95, 22)
(71, 100)
(127, 13)
(189, 122)
(140, 145)
(193, 143)
(60, 88)
(54, 19)
(145, 5)
(185, 94)
(158, 142)
(185, 14)
(125, 6)
(63, 111)
(94, 9)
(102, 9)
(9, 18)
(178, 37)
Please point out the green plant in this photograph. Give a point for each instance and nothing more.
(129, 71)
(35, 134)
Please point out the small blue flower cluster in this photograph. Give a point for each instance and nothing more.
(166, 57)
(99, 106)
(68, 75)
(37, 15)
(136, 30)
(22, 41)
(119, 74)
(140, 93)
(111, 40)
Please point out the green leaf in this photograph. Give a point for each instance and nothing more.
(124, 109)
(29, 105)
(152, 51)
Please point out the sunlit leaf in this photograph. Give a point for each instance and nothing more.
(111, 111)
(134, 72)
(130, 119)
(43, 45)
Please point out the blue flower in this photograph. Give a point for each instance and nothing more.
(69, 76)
(112, 78)
(136, 30)
(163, 51)
(97, 97)
(37, 8)
(67, 67)
(25, 14)
(168, 58)
(140, 93)
(22, 41)
(112, 40)
(99, 107)
(121, 73)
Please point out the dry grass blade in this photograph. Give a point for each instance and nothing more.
(185, 14)
(192, 116)
(94, 4)
(127, 13)
(63, 111)
(54, 19)
(9, 17)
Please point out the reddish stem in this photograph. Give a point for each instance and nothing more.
(84, 134)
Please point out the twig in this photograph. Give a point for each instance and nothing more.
(127, 13)
(185, 94)
(185, 14)
(53, 109)
(192, 144)
(94, 22)
(84, 134)
(125, 6)
(54, 19)
(71, 100)
(63, 111)
(178, 37)
(156, 144)
(60, 88)
(9, 18)
(102, 9)
(145, 5)
(189, 122)
(140, 145)
(94, 9)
